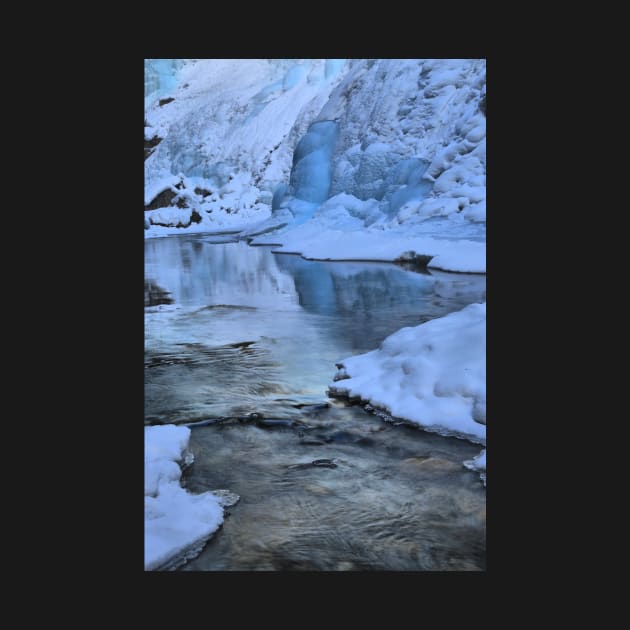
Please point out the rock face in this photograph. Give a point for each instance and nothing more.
(149, 145)
(163, 200)
(155, 295)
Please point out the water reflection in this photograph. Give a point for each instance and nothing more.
(302, 317)
(249, 331)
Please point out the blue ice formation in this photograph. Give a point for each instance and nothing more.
(294, 75)
(160, 77)
(333, 66)
(379, 173)
(278, 196)
(311, 174)
(403, 183)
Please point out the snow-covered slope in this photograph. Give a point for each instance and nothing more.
(229, 132)
(345, 157)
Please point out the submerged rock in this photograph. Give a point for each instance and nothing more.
(155, 295)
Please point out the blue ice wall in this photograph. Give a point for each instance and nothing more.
(278, 196)
(311, 174)
(160, 77)
(333, 66)
(294, 76)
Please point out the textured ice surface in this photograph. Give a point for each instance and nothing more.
(312, 163)
(409, 134)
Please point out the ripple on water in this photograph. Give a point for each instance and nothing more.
(322, 485)
(418, 510)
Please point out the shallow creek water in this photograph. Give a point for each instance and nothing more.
(251, 338)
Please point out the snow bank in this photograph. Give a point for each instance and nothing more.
(339, 235)
(433, 375)
(176, 523)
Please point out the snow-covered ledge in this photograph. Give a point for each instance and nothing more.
(433, 375)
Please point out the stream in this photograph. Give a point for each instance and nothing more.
(244, 342)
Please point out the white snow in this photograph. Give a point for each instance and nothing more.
(235, 121)
(409, 145)
(176, 523)
(433, 375)
(339, 235)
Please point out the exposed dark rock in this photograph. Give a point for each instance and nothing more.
(164, 101)
(325, 463)
(195, 217)
(163, 200)
(341, 376)
(149, 145)
(243, 344)
(202, 191)
(413, 262)
(154, 294)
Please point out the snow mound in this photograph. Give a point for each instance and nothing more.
(177, 524)
(433, 375)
